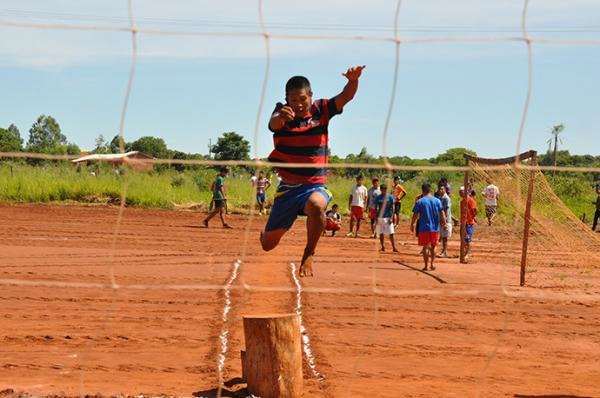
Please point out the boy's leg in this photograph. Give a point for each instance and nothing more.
(357, 226)
(351, 225)
(211, 215)
(432, 256)
(393, 243)
(381, 240)
(315, 223)
(270, 239)
(596, 217)
(425, 252)
(444, 247)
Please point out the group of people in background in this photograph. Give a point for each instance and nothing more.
(432, 220)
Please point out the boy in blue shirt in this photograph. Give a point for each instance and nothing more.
(429, 211)
(385, 217)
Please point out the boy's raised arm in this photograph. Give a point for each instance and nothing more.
(352, 74)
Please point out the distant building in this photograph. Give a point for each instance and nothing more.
(135, 159)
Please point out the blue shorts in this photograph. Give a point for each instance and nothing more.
(469, 229)
(289, 204)
(261, 197)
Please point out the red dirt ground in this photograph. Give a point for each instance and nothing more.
(378, 326)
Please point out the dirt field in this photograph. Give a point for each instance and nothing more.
(378, 326)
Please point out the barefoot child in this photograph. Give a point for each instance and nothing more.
(468, 215)
(219, 199)
(491, 194)
(445, 233)
(399, 194)
(334, 220)
(428, 210)
(300, 136)
(261, 184)
(357, 203)
(385, 218)
(372, 195)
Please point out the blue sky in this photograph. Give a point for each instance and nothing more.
(188, 90)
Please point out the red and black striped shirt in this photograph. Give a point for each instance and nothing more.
(304, 141)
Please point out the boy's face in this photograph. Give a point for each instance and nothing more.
(375, 183)
(359, 181)
(383, 191)
(300, 101)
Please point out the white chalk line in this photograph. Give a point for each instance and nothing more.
(305, 339)
(223, 337)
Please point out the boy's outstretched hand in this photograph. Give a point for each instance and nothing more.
(354, 72)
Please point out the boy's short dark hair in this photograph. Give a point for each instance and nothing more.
(396, 178)
(359, 177)
(426, 187)
(297, 83)
(374, 179)
(334, 206)
(223, 170)
(383, 186)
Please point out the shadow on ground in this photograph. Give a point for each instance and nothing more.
(234, 388)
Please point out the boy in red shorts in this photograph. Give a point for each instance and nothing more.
(334, 220)
(429, 211)
(300, 135)
(357, 204)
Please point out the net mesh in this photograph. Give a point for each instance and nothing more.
(159, 318)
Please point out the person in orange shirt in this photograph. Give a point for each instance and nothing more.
(398, 193)
(470, 218)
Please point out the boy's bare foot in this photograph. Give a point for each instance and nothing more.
(227, 226)
(306, 267)
(395, 250)
(205, 222)
(382, 249)
(432, 268)
(424, 269)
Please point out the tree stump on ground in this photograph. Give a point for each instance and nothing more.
(273, 358)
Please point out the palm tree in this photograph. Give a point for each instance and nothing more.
(556, 130)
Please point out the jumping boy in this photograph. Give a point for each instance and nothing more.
(468, 215)
(261, 184)
(399, 194)
(428, 210)
(491, 194)
(300, 136)
(372, 195)
(357, 203)
(385, 218)
(219, 199)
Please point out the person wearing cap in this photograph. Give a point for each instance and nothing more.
(219, 199)
(469, 205)
(399, 193)
(372, 195)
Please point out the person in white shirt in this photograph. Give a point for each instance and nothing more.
(358, 204)
(491, 193)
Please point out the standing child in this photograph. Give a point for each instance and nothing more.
(445, 233)
(357, 204)
(372, 195)
(468, 215)
(491, 194)
(300, 136)
(428, 210)
(399, 194)
(597, 213)
(262, 184)
(219, 199)
(385, 218)
(333, 221)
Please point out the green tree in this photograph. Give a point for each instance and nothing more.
(113, 145)
(231, 146)
(453, 157)
(45, 136)
(101, 145)
(152, 146)
(10, 139)
(73, 149)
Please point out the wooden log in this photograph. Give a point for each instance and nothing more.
(273, 359)
(243, 359)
